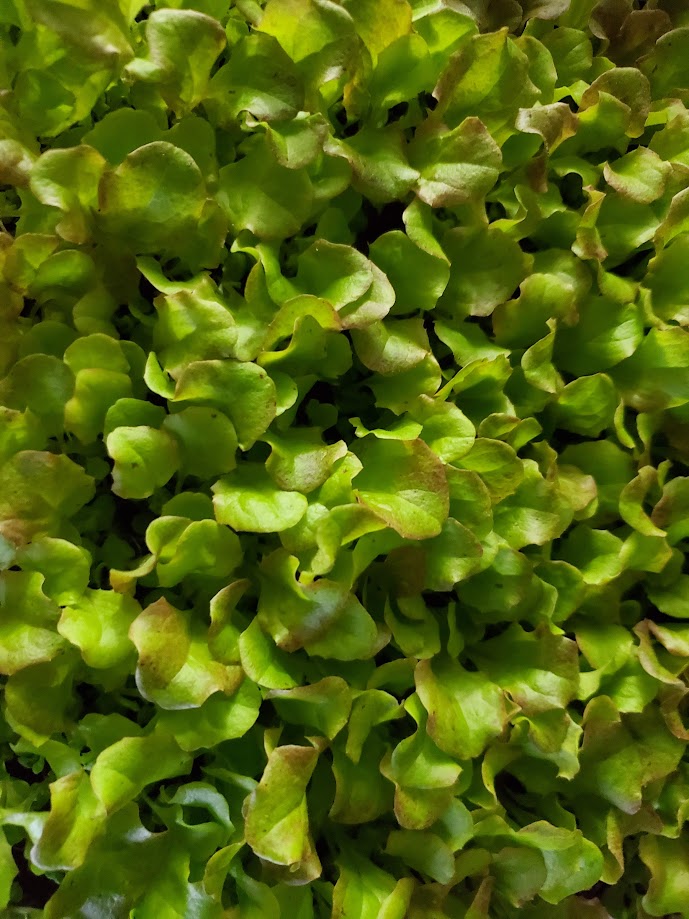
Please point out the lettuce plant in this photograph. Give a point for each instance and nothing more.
(344, 395)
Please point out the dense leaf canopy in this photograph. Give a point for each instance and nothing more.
(344, 434)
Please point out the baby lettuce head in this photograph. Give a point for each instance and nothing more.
(344, 433)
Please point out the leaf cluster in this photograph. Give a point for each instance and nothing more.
(344, 433)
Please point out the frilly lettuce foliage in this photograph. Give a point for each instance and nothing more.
(344, 381)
